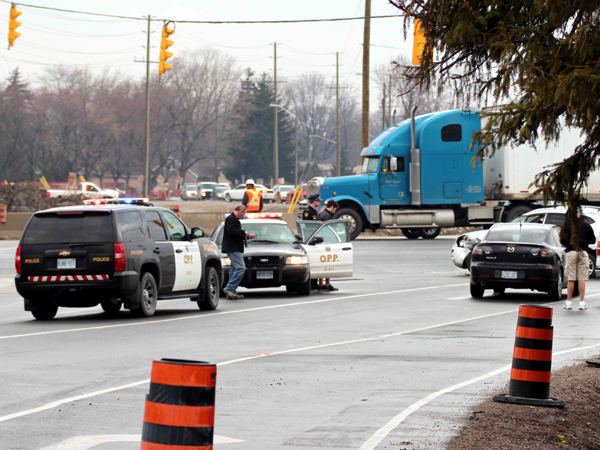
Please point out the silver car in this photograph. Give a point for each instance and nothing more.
(463, 246)
(189, 192)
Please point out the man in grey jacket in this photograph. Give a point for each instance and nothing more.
(327, 214)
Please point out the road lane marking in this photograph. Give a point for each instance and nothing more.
(204, 316)
(87, 442)
(248, 358)
(384, 431)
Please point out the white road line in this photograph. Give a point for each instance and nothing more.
(249, 358)
(87, 442)
(382, 433)
(206, 316)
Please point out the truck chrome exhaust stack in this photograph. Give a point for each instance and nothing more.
(415, 163)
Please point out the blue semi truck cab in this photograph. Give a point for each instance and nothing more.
(416, 175)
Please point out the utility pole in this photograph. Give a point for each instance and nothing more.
(337, 115)
(383, 109)
(390, 101)
(147, 151)
(295, 152)
(365, 75)
(275, 143)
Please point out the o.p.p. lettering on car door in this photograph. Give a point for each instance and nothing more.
(329, 258)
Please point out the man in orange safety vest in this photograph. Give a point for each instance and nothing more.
(252, 200)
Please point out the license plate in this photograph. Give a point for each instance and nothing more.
(510, 274)
(264, 275)
(66, 263)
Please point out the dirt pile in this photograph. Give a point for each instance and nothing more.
(30, 198)
(505, 426)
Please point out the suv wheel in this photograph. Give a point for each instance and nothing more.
(45, 313)
(228, 198)
(111, 306)
(147, 296)
(211, 291)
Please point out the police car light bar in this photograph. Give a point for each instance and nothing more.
(264, 216)
(117, 201)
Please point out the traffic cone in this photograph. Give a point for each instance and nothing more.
(175, 209)
(2, 213)
(180, 408)
(278, 197)
(532, 359)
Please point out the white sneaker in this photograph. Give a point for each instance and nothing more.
(582, 305)
(568, 305)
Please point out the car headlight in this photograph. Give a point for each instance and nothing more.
(295, 260)
(204, 194)
(225, 261)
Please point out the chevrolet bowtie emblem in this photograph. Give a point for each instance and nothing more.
(65, 253)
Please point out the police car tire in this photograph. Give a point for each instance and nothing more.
(111, 306)
(146, 308)
(212, 290)
(45, 313)
(304, 288)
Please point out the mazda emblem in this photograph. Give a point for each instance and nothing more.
(264, 260)
(510, 249)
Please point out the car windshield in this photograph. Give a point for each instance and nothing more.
(208, 185)
(221, 188)
(518, 234)
(190, 187)
(370, 164)
(279, 233)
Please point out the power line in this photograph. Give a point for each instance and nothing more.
(210, 22)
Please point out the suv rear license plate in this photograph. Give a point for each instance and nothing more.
(264, 275)
(66, 263)
(510, 274)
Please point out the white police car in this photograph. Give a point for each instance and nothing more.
(279, 257)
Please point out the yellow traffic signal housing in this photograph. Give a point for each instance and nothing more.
(418, 43)
(165, 43)
(13, 25)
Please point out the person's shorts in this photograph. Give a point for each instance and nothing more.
(577, 266)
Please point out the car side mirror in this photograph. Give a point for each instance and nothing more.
(393, 164)
(197, 232)
(298, 236)
(316, 240)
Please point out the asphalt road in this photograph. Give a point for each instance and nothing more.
(393, 360)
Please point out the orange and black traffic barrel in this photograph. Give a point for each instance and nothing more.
(2, 213)
(532, 359)
(180, 408)
(175, 209)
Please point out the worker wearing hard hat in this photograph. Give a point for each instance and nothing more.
(252, 200)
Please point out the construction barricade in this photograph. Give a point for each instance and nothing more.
(175, 209)
(2, 213)
(532, 359)
(180, 408)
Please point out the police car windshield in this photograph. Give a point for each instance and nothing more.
(370, 164)
(279, 233)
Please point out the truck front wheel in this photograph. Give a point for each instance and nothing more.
(355, 222)
(516, 211)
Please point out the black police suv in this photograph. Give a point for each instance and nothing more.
(519, 256)
(115, 255)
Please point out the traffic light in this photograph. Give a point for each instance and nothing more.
(418, 43)
(165, 43)
(13, 25)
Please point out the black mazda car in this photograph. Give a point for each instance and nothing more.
(519, 256)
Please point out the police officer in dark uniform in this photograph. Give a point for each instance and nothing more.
(311, 212)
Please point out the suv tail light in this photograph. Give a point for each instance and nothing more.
(18, 260)
(598, 248)
(120, 257)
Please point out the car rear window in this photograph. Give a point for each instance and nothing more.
(75, 228)
(531, 235)
(131, 226)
